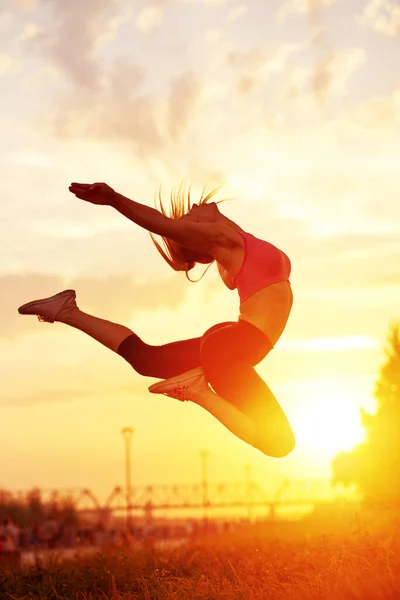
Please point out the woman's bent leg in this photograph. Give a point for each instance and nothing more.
(265, 426)
(227, 356)
(163, 361)
(107, 333)
(231, 417)
(152, 361)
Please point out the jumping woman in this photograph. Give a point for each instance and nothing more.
(216, 371)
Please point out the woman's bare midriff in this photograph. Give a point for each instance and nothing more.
(269, 309)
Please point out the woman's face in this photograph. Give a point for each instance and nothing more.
(205, 213)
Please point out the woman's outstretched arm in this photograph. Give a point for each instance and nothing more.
(199, 237)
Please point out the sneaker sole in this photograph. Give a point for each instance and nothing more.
(177, 379)
(30, 305)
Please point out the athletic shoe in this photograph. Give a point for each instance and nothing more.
(47, 309)
(182, 386)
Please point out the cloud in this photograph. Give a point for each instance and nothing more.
(172, 127)
(255, 67)
(237, 12)
(73, 394)
(295, 86)
(6, 63)
(167, 124)
(149, 19)
(114, 112)
(383, 16)
(82, 22)
(328, 71)
(376, 118)
(308, 7)
(114, 298)
(111, 26)
(31, 30)
(212, 36)
(344, 264)
(27, 5)
(327, 79)
(6, 20)
(331, 74)
(335, 196)
(184, 97)
(118, 111)
(205, 2)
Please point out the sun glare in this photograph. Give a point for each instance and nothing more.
(329, 421)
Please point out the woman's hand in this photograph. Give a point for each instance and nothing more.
(96, 193)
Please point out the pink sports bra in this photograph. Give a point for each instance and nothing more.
(263, 264)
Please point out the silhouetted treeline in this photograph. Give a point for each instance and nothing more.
(374, 465)
(29, 509)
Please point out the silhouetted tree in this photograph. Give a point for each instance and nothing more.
(375, 465)
(29, 509)
(35, 505)
(67, 512)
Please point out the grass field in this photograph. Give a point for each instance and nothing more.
(289, 561)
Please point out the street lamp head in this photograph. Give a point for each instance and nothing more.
(127, 432)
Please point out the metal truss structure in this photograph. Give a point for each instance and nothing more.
(192, 496)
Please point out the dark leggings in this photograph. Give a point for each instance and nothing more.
(228, 353)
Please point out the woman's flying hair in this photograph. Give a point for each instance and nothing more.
(177, 256)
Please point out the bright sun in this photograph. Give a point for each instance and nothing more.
(329, 419)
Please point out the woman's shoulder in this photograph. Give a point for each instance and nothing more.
(229, 252)
(228, 238)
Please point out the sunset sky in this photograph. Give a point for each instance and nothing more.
(294, 109)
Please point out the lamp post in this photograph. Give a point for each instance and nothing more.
(204, 480)
(127, 434)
